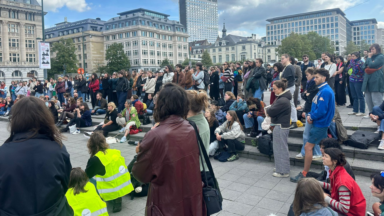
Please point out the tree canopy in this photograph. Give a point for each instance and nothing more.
(165, 62)
(206, 59)
(116, 58)
(65, 54)
(352, 47)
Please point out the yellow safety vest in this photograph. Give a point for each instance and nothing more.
(117, 181)
(88, 203)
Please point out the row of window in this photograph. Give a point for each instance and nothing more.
(364, 28)
(79, 39)
(15, 57)
(304, 22)
(220, 59)
(143, 23)
(143, 34)
(325, 33)
(152, 53)
(308, 28)
(14, 28)
(304, 17)
(150, 62)
(13, 42)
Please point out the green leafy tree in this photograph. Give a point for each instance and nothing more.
(165, 62)
(320, 44)
(364, 46)
(186, 62)
(296, 45)
(350, 48)
(65, 54)
(116, 59)
(206, 59)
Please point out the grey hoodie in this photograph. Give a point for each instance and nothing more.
(324, 211)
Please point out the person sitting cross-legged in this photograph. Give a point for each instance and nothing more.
(377, 115)
(101, 105)
(128, 118)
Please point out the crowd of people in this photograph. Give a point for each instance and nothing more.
(227, 104)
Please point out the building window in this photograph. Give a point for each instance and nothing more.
(14, 57)
(127, 34)
(233, 57)
(1, 57)
(13, 28)
(120, 36)
(144, 52)
(170, 46)
(214, 59)
(164, 54)
(13, 42)
(127, 44)
(170, 54)
(17, 74)
(144, 43)
(158, 53)
(128, 53)
(152, 52)
(134, 43)
(30, 57)
(134, 34)
(220, 59)
(135, 52)
(85, 56)
(85, 47)
(29, 43)
(243, 47)
(145, 61)
(79, 57)
(243, 57)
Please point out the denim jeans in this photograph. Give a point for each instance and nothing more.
(258, 93)
(100, 111)
(38, 94)
(377, 111)
(60, 96)
(13, 97)
(80, 95)
(149, 112)
(358, 97)
(3, 95)
(249, 122)
(121, 97)
(72, 92)
(307, 129)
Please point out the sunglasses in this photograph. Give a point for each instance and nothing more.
(224, 64)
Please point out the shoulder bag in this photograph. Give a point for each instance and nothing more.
(212, 196)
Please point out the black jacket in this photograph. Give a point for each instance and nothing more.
(69, 85)
(111, 116)
(159, 83)
(289, 74)
(228, 104)
(280, 110)
(81, 86)
(312, 91)
(261, 75)
(122, 85)
(105, 83)
(34, 174)
(39, 89)
(54, 113)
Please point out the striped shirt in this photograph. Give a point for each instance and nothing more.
(343, 204)
(228, 74)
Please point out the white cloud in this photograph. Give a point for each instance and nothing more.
(77, 5)
(380, 24)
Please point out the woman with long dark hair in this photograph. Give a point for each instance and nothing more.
(34, 153)
(332, 68)
(39, 89)
(227, 77)
(168, 75)
(340, 95)
(356, 78)
(247, 74)
(94, 88)
(278, 68)
(52, 108)
(214, 91)
(150, 85)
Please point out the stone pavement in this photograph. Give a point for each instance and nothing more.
(247, 185)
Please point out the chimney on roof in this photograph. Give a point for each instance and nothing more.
(65, 19)
(224, 31)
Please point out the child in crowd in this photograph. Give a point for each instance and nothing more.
(377, 190)
(309, 199)
(220, 115)
(82, 195)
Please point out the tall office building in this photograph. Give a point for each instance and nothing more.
(364, 30)
(200, 17)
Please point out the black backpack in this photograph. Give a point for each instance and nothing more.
(206, 78)
(265, 144)
(362, 139)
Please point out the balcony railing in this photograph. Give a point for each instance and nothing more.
(13, 48)
(13, 34)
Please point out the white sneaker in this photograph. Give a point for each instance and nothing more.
(381, 145)
(352, 113)
(274, 169)
(280, 175)
(260, 134)
(366, 117)
(317, 157)
(299, 156)
(360, 114)
(76, 132)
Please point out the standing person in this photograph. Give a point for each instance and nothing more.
(214, 90)
(3, 90)
(39, 89)
(227, 77)
(260, 79)
(122, 86)
(81, 86)
(188, 79)
(306, 64)
(106, 86)
(356, 78)
(107, 170)
(373, 84)
(332, 68)
(12, 89)
(221, 82)
(46, 88)
(137, 85)
(178, 76)
(168, 75)
(94, 88)
(346, 68)
(340, 82)
(128, 76)
(150, 85)
(270, 72)
(34, 152)
(230, 134)
(170, 172)
(308, 95)
(134, 81)
(278, 68)
(298, 77)
(346, 197)
(198, 77)
(60, 90)
(238, 79)
(289, 74)
(280, 113)
(52, 89)
(159, 80)
(68, 85)
(321, 115)
(112, 96)
(31, 85)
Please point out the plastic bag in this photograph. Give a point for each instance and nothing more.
(72, 128)
(111, 140)
(266, 123)
(213, 147)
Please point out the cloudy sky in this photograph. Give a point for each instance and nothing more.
(242, 17)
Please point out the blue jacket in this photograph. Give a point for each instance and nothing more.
(322, 211)
(220, 116)
(241, 106)
(86, 116)
(323, 106)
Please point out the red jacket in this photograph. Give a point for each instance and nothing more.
(339, 177)
(2, 105)
(94, 86)
(139, 107)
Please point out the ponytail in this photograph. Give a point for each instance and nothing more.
(281, 83)
(198, 100)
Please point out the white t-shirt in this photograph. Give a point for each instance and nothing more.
(331, 68)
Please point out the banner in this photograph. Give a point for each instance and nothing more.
(44, 56)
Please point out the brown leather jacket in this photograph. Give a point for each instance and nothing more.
(188, 80)
(178, 78)
(168, 159)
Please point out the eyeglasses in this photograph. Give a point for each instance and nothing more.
(224, 64)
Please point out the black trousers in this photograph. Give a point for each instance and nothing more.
(80, 123)
(233, 145)
(227, 87)
(235, 88)
(349, 91)
(240, 116)
(105, 93)
(93, 98)
(221, 93)
(108, 128)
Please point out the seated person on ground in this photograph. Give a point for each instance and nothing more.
(101, 105)
(82, 118)
(229, 98)
(57, 102)
(2, 104)
(138, 105)
(128, 118)
(231, 134)
(324, 175)
(346, 197)
(52, 108)
(309, 199)
(256, 114)
(75, 96)
(377, 190)
(213, 124)
(240, 107)
(8, 105)
(150, 104)
(220, 115)
(110, 123)
(67, 111)
(377, 115)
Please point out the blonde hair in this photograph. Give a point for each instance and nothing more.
(308, 193)
(230, 94)
(112, 105)
(198, 100)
